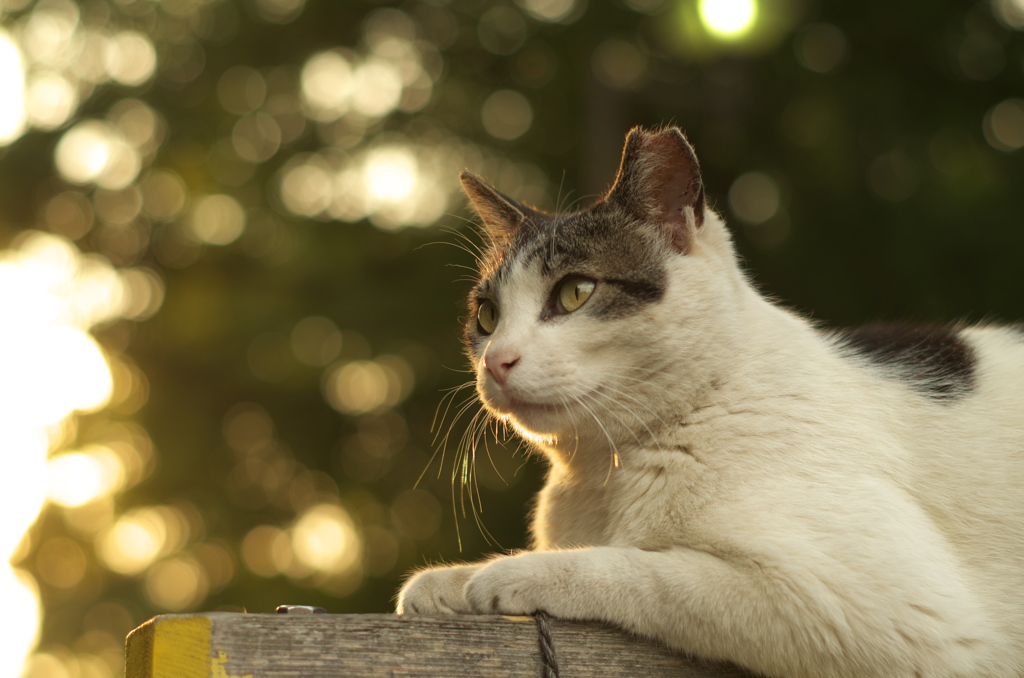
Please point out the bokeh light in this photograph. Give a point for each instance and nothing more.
(554, 11)
(177, 584)
(502, 30)
(393, 183)
(19, 628)
(377, 88)
(327, 82)
(368, 385)
(133, 542)
(266, 551)
(820, 47)
(306, 185)
(60, 369)
(391, 173)
(164, 195)
(12, 90)
(392, 76)
(130, 58)
(1010, 12)
(507, 114)
(50, 99)
(754, 197)
(619, 63)
(80, 477)
(280, 11)
(275, 176)
(217, 219)
(51, 295)
(140, 536)
(325, 539)
(94, 152)
(1004, 125)
(52, 61)
(316, 341)
(61, 562)
(728, 18)
(323, 545)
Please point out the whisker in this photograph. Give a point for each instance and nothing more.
(463, 408)
(611, 442)
(466, 452)
(561, 186)
(477, 257)
(487, 449)
(439, 449)
(471, 482)
(637, 417)
(449, 396)
(577, 201)
(470, 245)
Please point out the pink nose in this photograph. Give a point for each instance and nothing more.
(499, 365)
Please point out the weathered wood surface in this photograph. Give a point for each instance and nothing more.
(232, 645)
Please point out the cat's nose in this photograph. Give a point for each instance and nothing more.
(499, 365)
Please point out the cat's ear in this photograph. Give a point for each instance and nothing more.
(659, 181)
(500, 214)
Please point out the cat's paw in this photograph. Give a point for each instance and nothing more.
(438, 591)
(522, 585)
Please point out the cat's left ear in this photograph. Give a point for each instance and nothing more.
(659, 181)
(500, 214)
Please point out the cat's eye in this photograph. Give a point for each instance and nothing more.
(487, 317)
(574, 292)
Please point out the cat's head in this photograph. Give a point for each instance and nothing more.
(583, 323)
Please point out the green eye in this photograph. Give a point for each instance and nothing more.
(574, 292)
(487, 316)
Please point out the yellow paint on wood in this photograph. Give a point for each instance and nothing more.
(217, 669)
(181, 647)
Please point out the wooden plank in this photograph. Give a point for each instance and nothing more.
(171, 646)
(232, 645)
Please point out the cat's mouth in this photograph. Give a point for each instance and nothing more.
(536, 421)
(519, 404)
(518, 407)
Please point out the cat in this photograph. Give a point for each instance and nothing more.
(725, 476)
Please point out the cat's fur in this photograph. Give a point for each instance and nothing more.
(728, 478)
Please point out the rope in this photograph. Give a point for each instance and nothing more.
(549, 663)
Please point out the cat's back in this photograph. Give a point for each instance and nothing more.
(942, 383)
(965, 440)
(952, 397)
(960, 390)
(969, 448)
(998, 385)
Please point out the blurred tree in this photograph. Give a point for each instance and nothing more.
(264, 195)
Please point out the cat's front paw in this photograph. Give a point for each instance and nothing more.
(523, 584)
(438, 591)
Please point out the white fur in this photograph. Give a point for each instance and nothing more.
(723, 480)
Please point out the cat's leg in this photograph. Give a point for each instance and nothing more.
(779, 624)
(440, 590)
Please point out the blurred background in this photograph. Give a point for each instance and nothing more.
(233, 251)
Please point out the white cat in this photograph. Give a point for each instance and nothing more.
(726, 477)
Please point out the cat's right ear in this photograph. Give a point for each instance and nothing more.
(659, 182)
(501, 215)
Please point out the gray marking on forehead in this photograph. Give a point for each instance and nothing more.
(604, 243)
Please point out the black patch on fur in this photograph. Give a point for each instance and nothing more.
(936, 360)
(641, 290)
